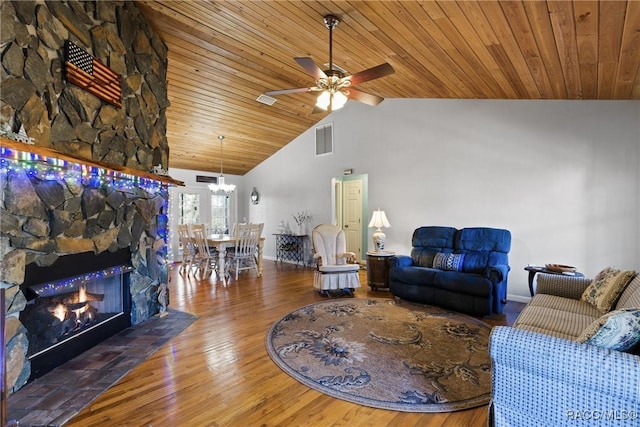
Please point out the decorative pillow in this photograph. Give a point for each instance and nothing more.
(616, 330)
(606, 287)
(451, 262)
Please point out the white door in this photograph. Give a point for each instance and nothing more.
(352, 216)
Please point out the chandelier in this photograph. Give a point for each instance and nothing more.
(220, 186)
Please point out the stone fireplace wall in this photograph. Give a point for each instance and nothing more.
(44, 215)
(65, 117)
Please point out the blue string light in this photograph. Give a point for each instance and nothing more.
(72, 283)
(51, 168)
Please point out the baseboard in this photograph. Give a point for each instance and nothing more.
(518, 298)
(274, 259)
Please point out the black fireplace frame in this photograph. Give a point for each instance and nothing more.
(70, 266)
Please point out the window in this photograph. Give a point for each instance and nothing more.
(188, 208)
(220, 213)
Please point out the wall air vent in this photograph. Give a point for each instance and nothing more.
(266, 99)
(207, 179)
(324, 139)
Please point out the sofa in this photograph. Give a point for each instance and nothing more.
(464, 270)
(550, 369)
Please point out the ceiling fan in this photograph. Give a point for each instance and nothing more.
(334, 85)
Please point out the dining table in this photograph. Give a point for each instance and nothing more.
(223, 241)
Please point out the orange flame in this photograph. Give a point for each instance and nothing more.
(82, 297)
(60, 312)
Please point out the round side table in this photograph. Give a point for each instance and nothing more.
(378, 264)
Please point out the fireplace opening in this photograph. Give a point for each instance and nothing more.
(65, 316)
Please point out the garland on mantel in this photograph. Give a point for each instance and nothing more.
(48, 164)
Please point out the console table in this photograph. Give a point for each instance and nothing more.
(290, 247)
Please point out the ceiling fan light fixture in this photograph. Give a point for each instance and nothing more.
(323, 100)
(336, 99)
(334, 84)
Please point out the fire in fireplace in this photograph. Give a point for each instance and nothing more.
(66, 308)
(65, 316)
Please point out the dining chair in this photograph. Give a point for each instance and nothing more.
(204, 258)
(245, 252)
(188, 248)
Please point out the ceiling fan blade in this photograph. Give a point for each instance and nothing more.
(311, 68)
(285, 91)
(370, 74)
(367, 98)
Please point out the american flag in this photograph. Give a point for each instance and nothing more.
(85, 71)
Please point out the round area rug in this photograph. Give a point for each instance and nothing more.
(386, 354)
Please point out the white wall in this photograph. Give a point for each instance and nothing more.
(562, 176)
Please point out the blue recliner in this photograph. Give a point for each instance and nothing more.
(464, 270)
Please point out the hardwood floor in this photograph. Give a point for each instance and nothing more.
(217, 372)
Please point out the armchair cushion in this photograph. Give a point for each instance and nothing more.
(338, 268)
(616, 330)
(606, 287)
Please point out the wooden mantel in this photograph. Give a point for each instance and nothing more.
(48, 152)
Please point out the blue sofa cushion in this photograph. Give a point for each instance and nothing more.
(483, 239)
(414, 276)
(483, 247)
(448, 261)
(428, 241)
(468, 284)
(475, 262)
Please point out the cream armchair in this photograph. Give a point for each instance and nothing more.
(336, 268)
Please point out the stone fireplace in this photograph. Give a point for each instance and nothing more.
(84, 256)
(83, 191)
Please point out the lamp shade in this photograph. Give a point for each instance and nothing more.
(379, 219)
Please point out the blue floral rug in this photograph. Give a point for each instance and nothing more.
(386, 354)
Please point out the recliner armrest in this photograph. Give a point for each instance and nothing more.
(404, 261)
(497, 273)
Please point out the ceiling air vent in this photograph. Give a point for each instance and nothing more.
(324, 139)
(266, 99)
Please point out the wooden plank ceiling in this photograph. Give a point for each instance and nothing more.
(224, 54)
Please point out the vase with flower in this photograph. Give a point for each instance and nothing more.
(301, 218)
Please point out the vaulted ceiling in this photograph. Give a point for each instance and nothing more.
(224, 54)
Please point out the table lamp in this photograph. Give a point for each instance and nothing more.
(379, 220)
